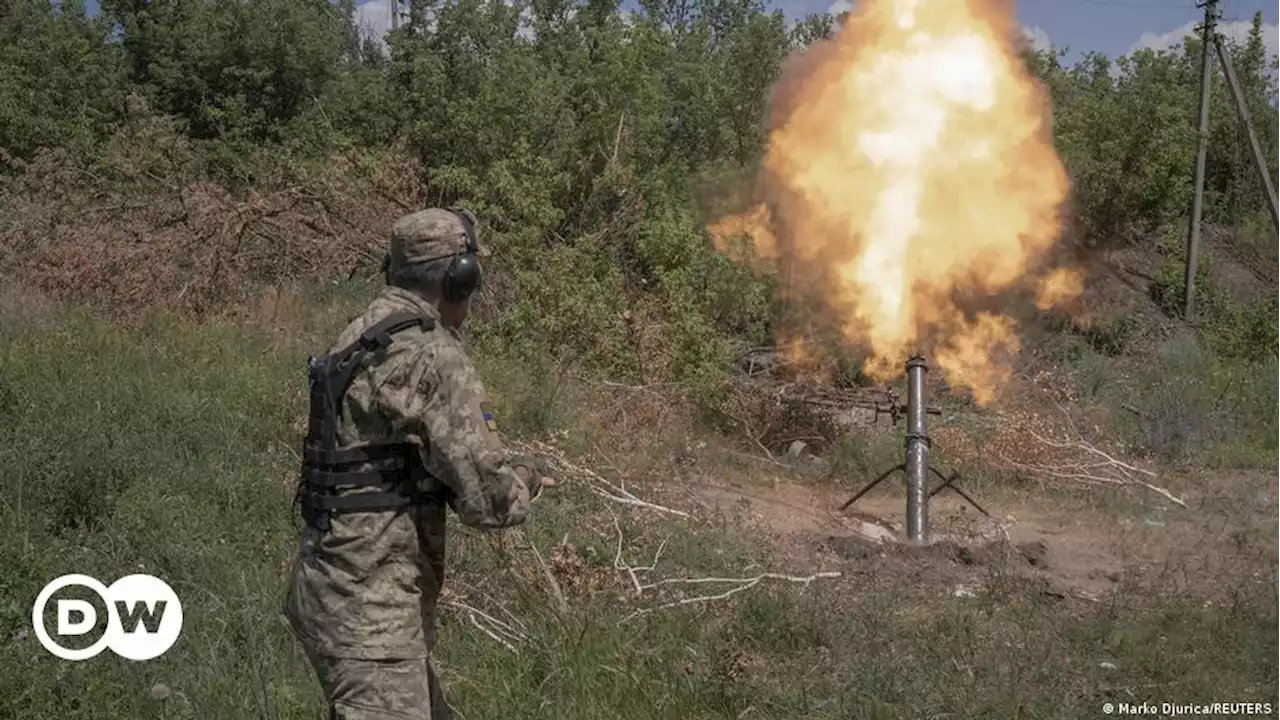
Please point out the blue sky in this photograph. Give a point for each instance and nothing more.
(1113, 27)
(1116, 27)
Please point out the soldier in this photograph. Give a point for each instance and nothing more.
(399, 430)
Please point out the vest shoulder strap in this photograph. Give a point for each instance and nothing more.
(341, 366)
(378, 336)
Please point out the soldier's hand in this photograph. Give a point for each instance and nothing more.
(535, 473)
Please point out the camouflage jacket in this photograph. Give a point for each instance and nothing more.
(368, 587)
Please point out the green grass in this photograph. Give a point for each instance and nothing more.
(1191, 405)
(169, 448)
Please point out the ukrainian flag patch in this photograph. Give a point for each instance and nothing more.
(489, 420)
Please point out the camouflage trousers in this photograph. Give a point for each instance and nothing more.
(380, 689)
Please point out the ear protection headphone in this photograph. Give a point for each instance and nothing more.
(463, 276)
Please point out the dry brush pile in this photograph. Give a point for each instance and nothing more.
(142, 226)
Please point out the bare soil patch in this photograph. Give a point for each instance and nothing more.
(1088, 555)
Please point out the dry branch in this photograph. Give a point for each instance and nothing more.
(595, 483)
(1088, 465)
(741, 584)
(631, 570)
(561, 603)
(613, 493)
(497, 629)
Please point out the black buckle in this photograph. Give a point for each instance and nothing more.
(312, 512)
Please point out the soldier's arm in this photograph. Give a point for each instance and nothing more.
(488, 491)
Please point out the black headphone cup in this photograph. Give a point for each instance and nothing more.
(464, 276)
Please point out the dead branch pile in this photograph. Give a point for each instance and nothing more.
(773, 412)
(1074, 459)
(143, 226)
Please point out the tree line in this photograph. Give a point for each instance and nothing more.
(579, 131)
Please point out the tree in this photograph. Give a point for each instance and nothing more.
(61, 80)
(231, 68)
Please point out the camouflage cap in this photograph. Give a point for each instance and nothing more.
(428, 235)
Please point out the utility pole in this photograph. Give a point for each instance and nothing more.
(1197, 203)
(395, 14)
(1242, 110)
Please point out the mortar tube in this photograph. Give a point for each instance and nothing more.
(917, 464)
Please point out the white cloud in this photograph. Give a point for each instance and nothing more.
(1037, 36)
(840, 6)
(1238, 31)
(374, 17)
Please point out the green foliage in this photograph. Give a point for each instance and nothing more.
(582, 136)
(1126, 131)
(157, 450)
(1110, 336)
(1195, 403)
(1231, 328)
(60, 80)
(1125, 140)
(1247, 331)
(230, 69)
(1168, 290)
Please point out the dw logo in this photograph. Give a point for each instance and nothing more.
(144, 617)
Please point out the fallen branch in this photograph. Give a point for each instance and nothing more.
(1095, 468)
(490, 633)
(742, 585)
(500, 631)
(597, 484)
(755, 458)
(629, 569)
(637, 388)
(623, 497)
(561, 602)
(614, 493)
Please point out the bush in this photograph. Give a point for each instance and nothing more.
(1245, 331)
(1111, 336)
(1169, 288)
(1193, 402)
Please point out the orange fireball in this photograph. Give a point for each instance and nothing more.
(911, 175)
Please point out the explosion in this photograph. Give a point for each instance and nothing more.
(911, 183)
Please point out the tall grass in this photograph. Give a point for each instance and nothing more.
(169, 449)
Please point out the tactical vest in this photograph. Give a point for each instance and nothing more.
(326, 469)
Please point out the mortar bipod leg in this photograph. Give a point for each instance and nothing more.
(872, 484)
(950, 482)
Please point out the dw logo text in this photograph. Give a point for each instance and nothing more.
(144, 617)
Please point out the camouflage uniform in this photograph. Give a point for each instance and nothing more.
(362, 596)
